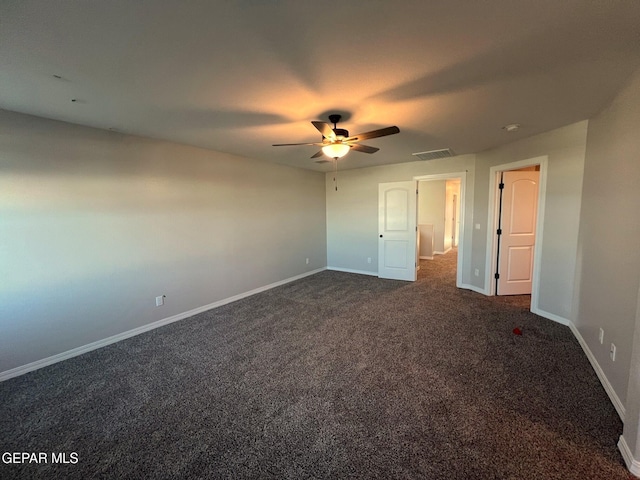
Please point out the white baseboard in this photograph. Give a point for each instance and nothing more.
(473, 288)
(349, 270)
(615, 400)
(550, 316)
(440, 252)
(619, 406)
(632, 464)
(424, 257)
(21, 370)
(17, 371)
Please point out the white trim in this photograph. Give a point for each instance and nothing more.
(438, 252)
(350, 270)
(424, 257)
(551, 316)
(491, 219)
(537, 249)
(632, 464)
(439, 176)
(473, 288)
(45, 362)
(619, 406)
(462, 200)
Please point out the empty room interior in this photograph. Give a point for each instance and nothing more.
(339, 240)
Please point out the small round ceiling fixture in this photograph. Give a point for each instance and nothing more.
(512, 127)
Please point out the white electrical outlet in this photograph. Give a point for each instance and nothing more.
(476, 272)
(368, 259)
(612, 352)
(477, 226)
(601, 336)
(160, 301)
(307, 261)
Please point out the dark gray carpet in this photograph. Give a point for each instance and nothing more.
(333, 376)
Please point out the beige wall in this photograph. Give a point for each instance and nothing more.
(431, 209)
(352, 211)
(94, 225)
(608, 262)
(435, 207)
(565, 149)
(352, 214)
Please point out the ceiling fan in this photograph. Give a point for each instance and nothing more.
(336, 142)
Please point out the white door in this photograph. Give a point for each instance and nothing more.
(518, 225)
(397, 230)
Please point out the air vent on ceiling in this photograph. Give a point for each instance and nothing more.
(434, 154)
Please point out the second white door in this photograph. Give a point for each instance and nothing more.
(518, 225)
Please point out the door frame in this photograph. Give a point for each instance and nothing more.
(492, 215)
(454, 226)
(462, 176)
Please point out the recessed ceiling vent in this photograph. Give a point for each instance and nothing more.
(434, 154)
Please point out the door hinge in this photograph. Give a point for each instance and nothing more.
(499, 231)
(496, 276)
(501, 186)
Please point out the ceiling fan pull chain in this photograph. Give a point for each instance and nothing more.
(335, 173)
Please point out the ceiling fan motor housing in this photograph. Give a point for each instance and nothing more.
(341, 132)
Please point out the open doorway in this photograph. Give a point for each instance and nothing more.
(516, 212)
(440, 215)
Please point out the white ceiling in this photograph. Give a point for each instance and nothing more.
(239, 75)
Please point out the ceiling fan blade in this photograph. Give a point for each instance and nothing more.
(364, 148)
(319, 154)
(325, 129)
(292, 144)
(383, 132)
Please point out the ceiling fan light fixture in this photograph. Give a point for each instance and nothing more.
(336, 150)
(336, 142)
